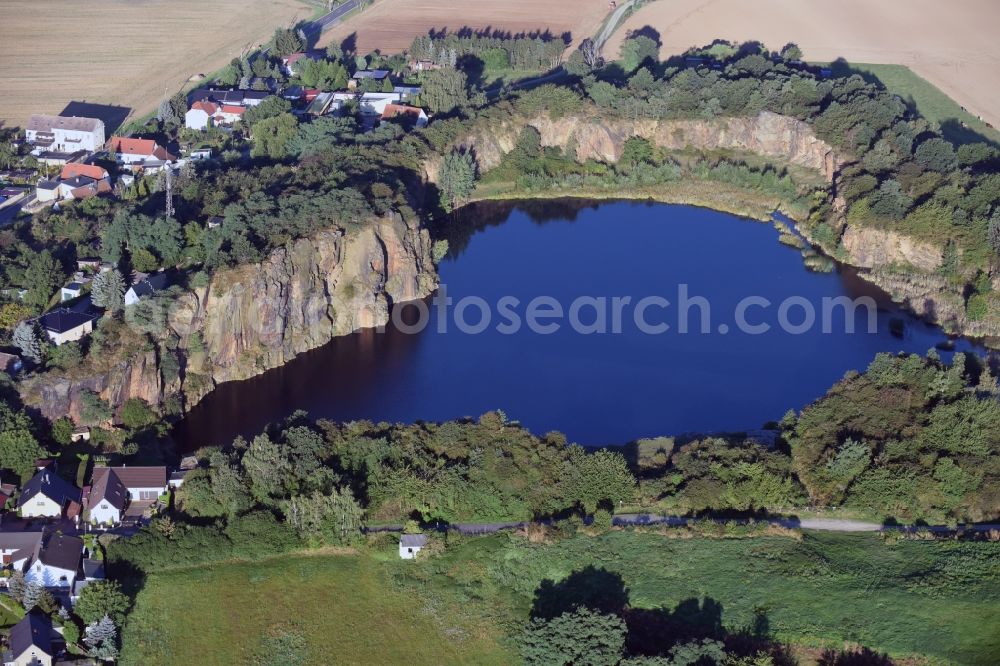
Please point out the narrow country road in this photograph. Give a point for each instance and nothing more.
(641, 519)
(609, 27)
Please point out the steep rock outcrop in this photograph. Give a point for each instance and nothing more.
(868, 247)
(780, 137)
(256, 317)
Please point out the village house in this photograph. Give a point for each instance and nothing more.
(63, 134)
(413, 115)
(48, 495)
(92, 570)
(76, 181)
(31, 641)
(406, 93)
(205, 114)
(19, 549)
(411, 544)
(288, 62)
(230, 97)
(114, 488)
(140, 153)
(64, 325)
(58, 561)
(145, 286)
(72, 290)
(10, 363)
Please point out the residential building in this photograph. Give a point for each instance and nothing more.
(373, 74)
(80, 434)
(411, 114)
(177, 478)
(76, 181)
(411, 544)
(58, 561)
(205, 114)
(406, 93)
(288, 62)
(147, 286)
(232, 97)
(73, 289)
(64, 325)
(19, 549)
(114, 488)
(10, 363)
(63, 134)
(31, 641)
(48, 495)
(47, 190)
(423, 65)
(138, 152)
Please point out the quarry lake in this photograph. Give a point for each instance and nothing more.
(596, 386)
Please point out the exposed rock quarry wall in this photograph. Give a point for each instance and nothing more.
(783, 138)
(256, 317)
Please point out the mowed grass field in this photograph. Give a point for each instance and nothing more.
(129, 53)
(322, 609)
(953, 45)
(390, 25)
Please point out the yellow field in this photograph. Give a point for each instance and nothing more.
(127, 53)
(391, 25)
(953, 45)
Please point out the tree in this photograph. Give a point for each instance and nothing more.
(335, 518)
(936, 154)
(994, 231)
(16, 585)
(136, 414)
(265, 466)
(582, 638)
(791, 52)
(445, 90)
(42, 278)
(108, 290)
(457, 178)
(35, 594)
(272, 136)
(11, 314)
(94, 410)
(100, 638)
(637, 50)
(102, 598)
(62, 430)
(286, 42)
(165, 112)
(27, 338)
(596, 478)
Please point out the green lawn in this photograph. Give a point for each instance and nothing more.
(322, 608)
(937, 599)
(930, 102)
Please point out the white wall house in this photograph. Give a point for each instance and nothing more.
(30, 641)
(40, 506)
(145, 287)
(411, 544)
(58, 561)
(65, 325)
(64, 134)
(115, 488)
(46, 495)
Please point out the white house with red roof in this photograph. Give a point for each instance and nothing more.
(139, 152)
(205, 113)
(412, 114)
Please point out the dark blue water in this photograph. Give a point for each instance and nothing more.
(597, 388)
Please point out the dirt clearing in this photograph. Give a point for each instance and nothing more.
(951, 44)
(391, 25)
(128, 53)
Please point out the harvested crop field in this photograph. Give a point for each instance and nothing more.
(391, 25)
(122, 52)
(951, 44)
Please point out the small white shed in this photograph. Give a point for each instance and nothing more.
(410, 545)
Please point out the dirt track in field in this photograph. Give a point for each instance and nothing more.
(126, 53)
(954, 45)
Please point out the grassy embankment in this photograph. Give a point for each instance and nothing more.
(931, 598)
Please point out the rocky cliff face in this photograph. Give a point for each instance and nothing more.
(256, 317)
(873, 248)
(780, 137)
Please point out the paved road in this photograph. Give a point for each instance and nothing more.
(609, 27)
(317, 27)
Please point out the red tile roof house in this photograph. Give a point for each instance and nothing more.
(204, 113)
(139, 152)
(76, 181)
(411, 113)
